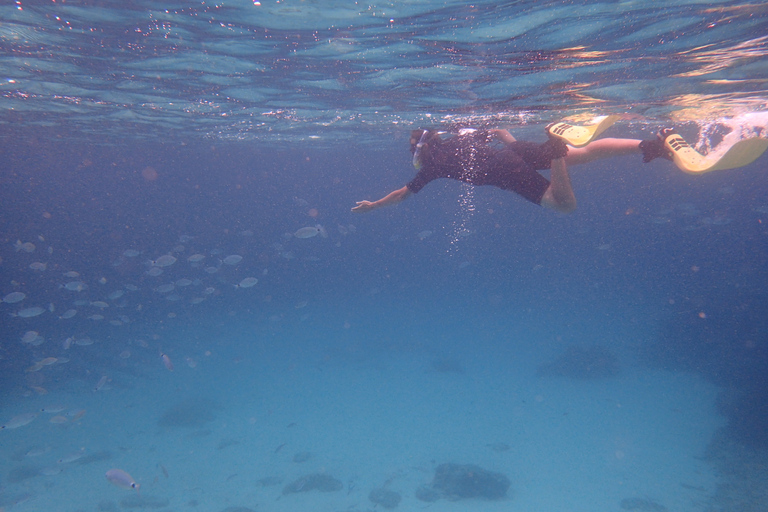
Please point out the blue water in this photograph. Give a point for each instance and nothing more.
(609, 359)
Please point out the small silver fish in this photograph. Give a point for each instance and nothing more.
(19, 421)
(30, 312)
(122, 479)
(307, 232)
(233, 259)
(14, 297)
(165, 260)
(247, 282)
(100, 384)
(167, 361)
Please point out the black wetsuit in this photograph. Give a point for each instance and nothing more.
(472, 159)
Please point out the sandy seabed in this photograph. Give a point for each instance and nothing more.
(232, 434)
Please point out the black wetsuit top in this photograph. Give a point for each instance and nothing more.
(472, 159)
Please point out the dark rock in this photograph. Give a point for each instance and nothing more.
(385, 498)
(582, 362)
(428, 494)
(314, 482)
(461, 481)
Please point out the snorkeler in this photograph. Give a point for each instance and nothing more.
(495, 157)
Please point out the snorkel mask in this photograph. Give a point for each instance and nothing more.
(417, 151)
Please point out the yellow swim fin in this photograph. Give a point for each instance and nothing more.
(581, 135)
(691, 161)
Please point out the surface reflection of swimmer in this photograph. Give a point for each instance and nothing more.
(494, 157)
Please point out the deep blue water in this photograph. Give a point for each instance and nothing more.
(223, 129)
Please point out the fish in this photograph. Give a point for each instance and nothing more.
(165, 260)
(72, 457)
(131, 253)
(24, 246)
(247, 282)
(37, 265)
(48, 361)
(30, 312)
(58, 419)
(75, 286)
(196, 258)
(38, 451)
(232, 259)
(116, 294)
(165, 288)
(99, 304)
(75, 414)
(307, 232)
(14, 297)
(100, 384)
(154, 271)
(122, 479)
(19, 421)
(68, 314)
(167, 361)
(52, 409)
(30, 336)
(184, 282)
(71, 274)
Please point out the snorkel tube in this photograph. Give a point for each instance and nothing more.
(417, 151)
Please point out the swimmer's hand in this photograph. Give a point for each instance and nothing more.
(364, 206)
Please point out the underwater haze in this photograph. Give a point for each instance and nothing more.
(194, 320)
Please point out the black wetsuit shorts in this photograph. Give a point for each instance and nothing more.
(510, 167)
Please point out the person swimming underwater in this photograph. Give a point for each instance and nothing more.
(494, 157)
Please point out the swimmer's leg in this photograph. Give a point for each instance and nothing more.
(602, 148)
(559, 196)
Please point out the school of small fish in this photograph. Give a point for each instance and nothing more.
(83, 305)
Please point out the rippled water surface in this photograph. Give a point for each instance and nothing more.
(298, 70)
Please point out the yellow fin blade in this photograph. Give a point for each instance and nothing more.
(740, 154)
(581, 135)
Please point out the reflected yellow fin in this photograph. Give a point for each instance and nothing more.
(689, 160)
(581, 135)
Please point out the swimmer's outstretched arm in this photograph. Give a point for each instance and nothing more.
(393, 197)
